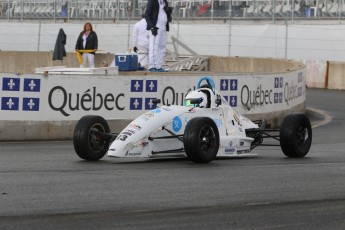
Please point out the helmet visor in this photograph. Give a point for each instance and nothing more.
(189, 102)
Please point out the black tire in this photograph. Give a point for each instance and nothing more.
(295, 135)
(201, 140)
(86, 139)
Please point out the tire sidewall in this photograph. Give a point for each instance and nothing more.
(288, 131)
(81, 137)
(192, 140)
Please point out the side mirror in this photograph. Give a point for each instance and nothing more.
(218, 101)
(156, 101)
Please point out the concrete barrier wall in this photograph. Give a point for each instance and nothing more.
(46, 130)
(336, 75)
(325, 74)
(27, 61)
(252, 65)
(316, 73)
(319, 74)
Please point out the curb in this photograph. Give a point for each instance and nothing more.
(318, 117)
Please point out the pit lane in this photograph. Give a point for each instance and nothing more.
(44, 185)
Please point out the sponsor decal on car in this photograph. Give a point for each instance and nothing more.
(128, 132)
(121, 137)
(143, 144)
(229, 150)
(243, 151)
(134, 126)
(134, 154)
(147, 116)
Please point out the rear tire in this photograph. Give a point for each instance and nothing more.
(201, 140)
(87, 142)
(295, 135)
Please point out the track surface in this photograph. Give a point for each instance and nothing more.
(44, 185)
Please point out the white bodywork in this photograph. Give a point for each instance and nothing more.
(134, 140)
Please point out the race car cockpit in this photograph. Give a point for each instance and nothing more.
(202, 97)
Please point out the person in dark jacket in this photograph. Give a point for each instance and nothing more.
(87, 44)
(59, 50)
(158, 16)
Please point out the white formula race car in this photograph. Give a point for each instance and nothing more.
(204, 128)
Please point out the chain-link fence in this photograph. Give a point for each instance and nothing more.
(232, 33)
(183, 9)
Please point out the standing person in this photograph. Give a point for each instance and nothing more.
(64, 9)
(87, 44)
(158, 16)
(140, 41)
(302, 8)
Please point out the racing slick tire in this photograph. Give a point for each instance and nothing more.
(295, 135)
(201, 140)
(86, 138)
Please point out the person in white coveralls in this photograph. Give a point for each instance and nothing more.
(158, 16)
(140, 41)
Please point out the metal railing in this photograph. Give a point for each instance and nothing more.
(183, 9)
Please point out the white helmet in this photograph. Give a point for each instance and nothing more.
(196, 95)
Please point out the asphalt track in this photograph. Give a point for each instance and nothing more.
(44, 185)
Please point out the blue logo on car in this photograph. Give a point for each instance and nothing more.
(156, 110)
(176, 124)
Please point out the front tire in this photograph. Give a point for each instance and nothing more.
(295, 135)
(201, 140)
(87, 140)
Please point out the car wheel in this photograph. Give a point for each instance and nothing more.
(201, 140)
(295, 135)
(87, 140)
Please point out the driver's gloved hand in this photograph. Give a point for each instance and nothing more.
(154, 31)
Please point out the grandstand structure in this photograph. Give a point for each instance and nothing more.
(183, 9)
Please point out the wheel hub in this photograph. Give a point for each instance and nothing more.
(302, 135)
